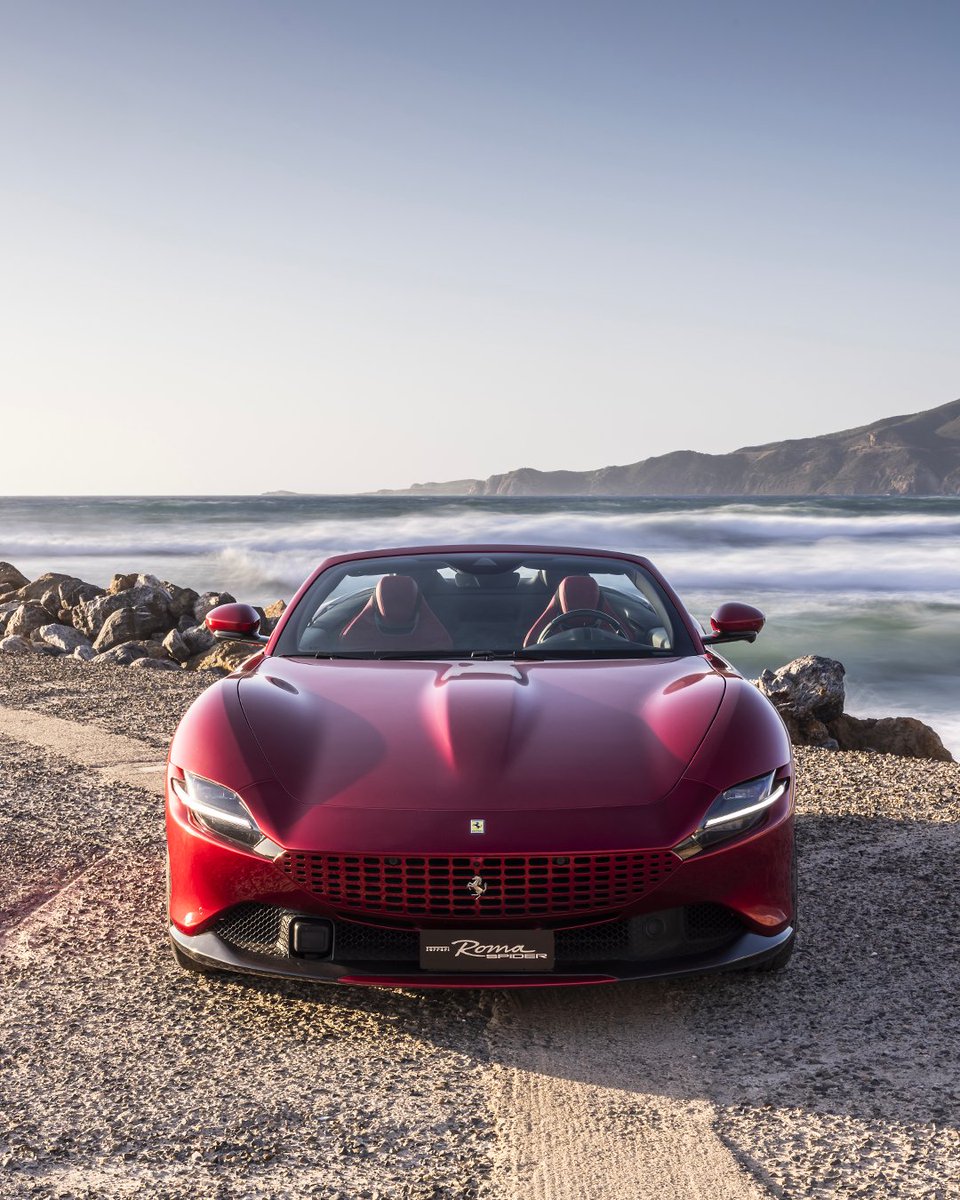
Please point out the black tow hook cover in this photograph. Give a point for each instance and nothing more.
(311, 939)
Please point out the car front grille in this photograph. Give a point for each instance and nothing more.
(509, 885)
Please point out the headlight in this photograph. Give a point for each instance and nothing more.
(734, 812)
(221, 812)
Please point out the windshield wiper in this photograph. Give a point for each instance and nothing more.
(540, 652)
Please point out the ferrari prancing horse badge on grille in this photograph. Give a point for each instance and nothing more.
(478, 825)
(477, 886)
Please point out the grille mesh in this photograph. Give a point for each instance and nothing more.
(710, 922)
(516, 885)
(261, 928)
(596, 943)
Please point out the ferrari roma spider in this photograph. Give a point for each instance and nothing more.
(482, 766)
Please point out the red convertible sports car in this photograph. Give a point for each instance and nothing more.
(482, 766)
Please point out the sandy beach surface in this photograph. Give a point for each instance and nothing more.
(121, 1076)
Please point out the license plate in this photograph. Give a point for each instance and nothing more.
(487, 950)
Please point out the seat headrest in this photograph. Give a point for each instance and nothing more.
(397, 598)
(578, 591)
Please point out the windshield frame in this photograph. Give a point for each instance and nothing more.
(284, 641)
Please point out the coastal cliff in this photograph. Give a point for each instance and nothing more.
(913, 455)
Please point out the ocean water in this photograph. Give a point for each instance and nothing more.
(874, 582)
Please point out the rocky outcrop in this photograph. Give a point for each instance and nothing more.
(913, 455)
(905, 736)
(809, 695)
(138, 618)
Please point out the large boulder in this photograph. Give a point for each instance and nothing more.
(182, 600)
(64, 638)
(42, 584)
(90, 615)
(72, 591)
(889, 735)
(28, 618)
(119, 627)
(151, 606)
(808, 693)
(11, 580)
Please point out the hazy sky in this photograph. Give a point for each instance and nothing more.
(340, 246)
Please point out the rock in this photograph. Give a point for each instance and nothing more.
(51, 601)
(6, 611)
(154, 649)
(120, 583)
(123, 655)
(41, 585)
(118, 628)
(63, 638)
(154, 664)
(271, 615)
(73, 591)
(27, 618)
(889, 735)
(84, 653)
(176, 647)
(211, 600)
(10, 578)
(182, 600)
(89, 615)
(198, 638)
(808, 693)
(226, 656)
(151, 605)
(14, 645)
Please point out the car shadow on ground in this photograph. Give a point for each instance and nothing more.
(861, 1023)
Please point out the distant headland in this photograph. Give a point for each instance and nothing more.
(913, 455)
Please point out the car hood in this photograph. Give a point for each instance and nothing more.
(478, 737)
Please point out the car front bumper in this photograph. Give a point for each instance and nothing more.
(211, 951)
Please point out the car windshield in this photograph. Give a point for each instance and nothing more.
(485, 605)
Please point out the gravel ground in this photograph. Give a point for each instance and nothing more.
(143, 705)
(121, 1076)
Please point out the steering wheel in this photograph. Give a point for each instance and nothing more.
(600, 618)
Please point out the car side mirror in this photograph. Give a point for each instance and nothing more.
(235, 623)
(734, 622)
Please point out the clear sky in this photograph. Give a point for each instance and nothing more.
(342, 246)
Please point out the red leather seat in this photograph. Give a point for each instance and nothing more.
(575, 591)
(396, 617)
